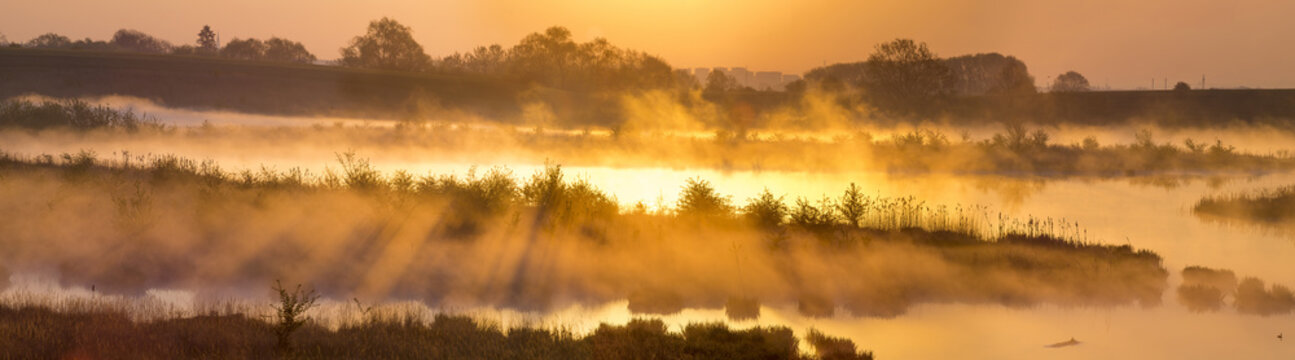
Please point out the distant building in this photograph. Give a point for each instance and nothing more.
(762, 80)
(701, 74)
(743, 76)
(771, 80)
(682, 75)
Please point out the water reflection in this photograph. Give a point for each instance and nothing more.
(1147, 212)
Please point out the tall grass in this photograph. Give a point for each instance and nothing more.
(564, 201)
(1270, 206)
(436, 226)
(71, 114)
(102, 327)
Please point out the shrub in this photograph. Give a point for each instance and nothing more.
(290, 313)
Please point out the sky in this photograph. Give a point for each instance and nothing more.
(1118, 43)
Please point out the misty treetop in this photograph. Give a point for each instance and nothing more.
(1070, 81)
(553, 58)
(274, 49)
(903, 74)
(128, 40)
(386, 45)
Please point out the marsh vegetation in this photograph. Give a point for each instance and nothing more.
(554, 240)
(1273, 207)
(104, 328)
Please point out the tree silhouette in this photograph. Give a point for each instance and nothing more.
(249, 49)
(905, 74)
(718, 83)
(990, 73)
(1070, 82)
(545, 57)
(1182, 86)
(49, 40)
(134, 40)
(279, 49)
(207, 40)
(386, 45)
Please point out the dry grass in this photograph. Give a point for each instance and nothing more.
(99, 328)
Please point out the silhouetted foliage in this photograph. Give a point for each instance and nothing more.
(1267, 206)
(1182, 86)
(245, 49)
(1252, 298)
(49, 41)
(1200, 298)
(718, 83)
(699, 200)
(275, 49)
(290, 314)
(279, 49)
(833, 348)
(1070, 82)
(553, 58)
(44, 333)
(70, 114)
(972, 248)
(990, 73)
(765, 210)
(905, 74)
(386, 45)
(207, 41)
(136, 41)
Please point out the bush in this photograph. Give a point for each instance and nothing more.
(699, 200)
(290, 313)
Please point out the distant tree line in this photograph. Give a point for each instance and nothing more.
(905, 76)
(128, 40)
(551, 58)
(902, 77)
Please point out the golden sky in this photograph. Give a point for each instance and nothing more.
(1123, 43)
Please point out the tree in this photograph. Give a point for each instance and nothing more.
(903, 74)
(49, 40)
(250, 49)
(1070, 82)
(89, 44)
(490, 60)
(699, 200)
(186, 49)
(990, 73)
(717, 83)
(545, 57)
(386, 45)
(4, 41)
(207, 40)
(290, 313)
(1182, 86)
(279, 49)
(134, 40)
